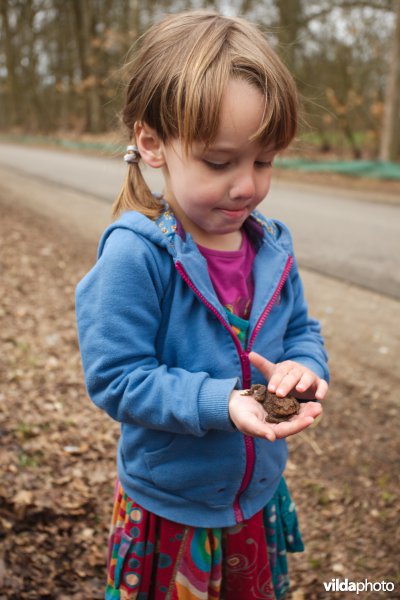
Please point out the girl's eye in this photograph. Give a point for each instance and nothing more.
(264, 165)
(216, 166)
(220, 166)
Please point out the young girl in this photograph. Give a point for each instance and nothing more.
(194, 297)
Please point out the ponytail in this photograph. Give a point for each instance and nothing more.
(136, 195)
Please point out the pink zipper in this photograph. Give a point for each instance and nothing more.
(248, 440)
(246, 369)
(187, 279)
(270, 304)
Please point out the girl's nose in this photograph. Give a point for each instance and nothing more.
(244, 187)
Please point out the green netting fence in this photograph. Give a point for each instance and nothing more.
(355, 168)
(70, 144)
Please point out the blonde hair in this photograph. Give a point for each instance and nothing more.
(178, 78)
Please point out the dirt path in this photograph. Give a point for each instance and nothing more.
(57, 459)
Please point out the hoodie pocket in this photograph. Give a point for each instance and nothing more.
(197, 469)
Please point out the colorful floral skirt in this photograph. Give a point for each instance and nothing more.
(152, 558)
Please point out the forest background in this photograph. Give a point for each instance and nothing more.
(60, 66)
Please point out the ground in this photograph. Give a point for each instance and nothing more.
(57, 461)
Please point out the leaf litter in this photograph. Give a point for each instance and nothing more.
(57, 465)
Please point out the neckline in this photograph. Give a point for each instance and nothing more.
(227, 253)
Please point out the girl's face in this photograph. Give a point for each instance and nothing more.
(213, 191)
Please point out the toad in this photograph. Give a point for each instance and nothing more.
(277, 409)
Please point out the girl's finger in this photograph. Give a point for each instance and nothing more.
(277, 378)
(252, 425)
(310, 409)
(322, 389)
(266, 367)
(306, 381)
(308, 412)
(287, 381)
(291, 427)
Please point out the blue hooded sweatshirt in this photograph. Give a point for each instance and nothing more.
(160, 357)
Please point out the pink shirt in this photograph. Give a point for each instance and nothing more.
(231, 275)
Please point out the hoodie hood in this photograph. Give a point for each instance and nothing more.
(143, 226)
(163, 231)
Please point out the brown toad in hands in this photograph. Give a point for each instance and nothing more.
(277, 409)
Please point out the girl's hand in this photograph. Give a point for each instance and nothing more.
(290, 376)
(249, 417)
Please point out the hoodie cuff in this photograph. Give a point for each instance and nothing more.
(213, 403)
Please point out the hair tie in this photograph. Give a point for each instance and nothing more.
(132, 155)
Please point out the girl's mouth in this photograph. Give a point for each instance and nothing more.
(235, 214)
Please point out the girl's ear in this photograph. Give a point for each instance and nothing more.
(149, 144)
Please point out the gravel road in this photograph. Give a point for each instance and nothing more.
(341, 233)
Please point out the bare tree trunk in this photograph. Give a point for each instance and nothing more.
(38, 112)
(290, 23)
(81, 39)
(83, 12)
(63, 66)
(135, 18)
(390, 144)
(12, 82)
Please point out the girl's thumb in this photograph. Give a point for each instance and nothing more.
(262, 364)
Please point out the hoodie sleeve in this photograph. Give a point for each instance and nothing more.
(303, 342)
(118, 307)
